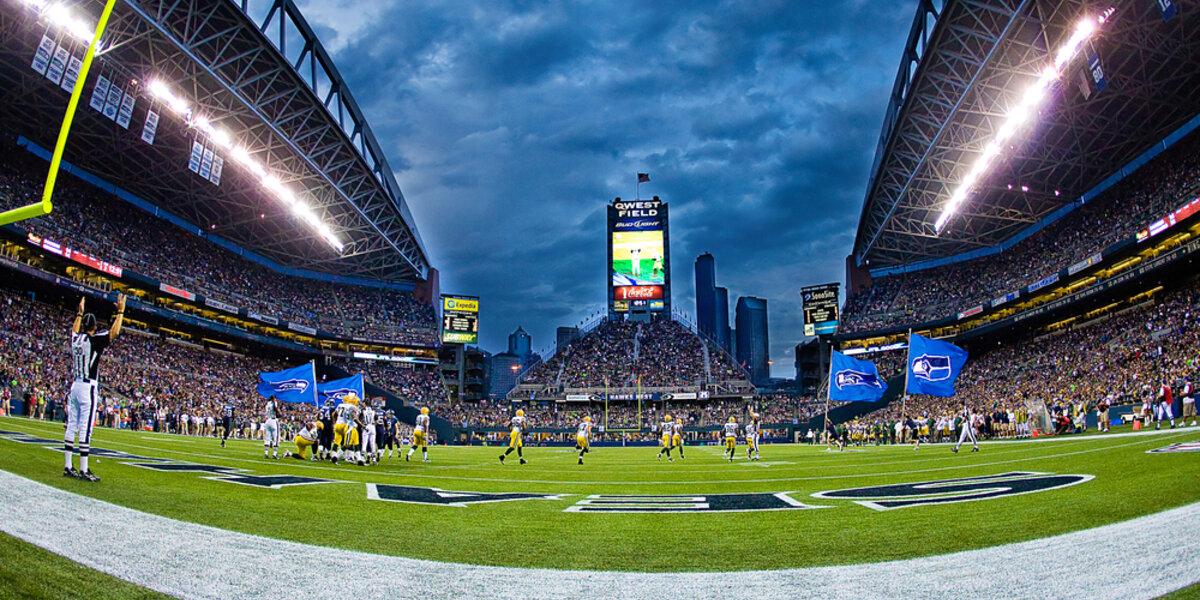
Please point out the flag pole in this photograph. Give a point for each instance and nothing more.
(316, 401)
(828, 392)
(907, 373)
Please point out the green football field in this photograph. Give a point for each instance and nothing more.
(719, 516)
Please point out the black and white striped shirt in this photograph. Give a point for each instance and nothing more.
(85, 355)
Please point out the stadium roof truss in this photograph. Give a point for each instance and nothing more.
(268, 81)
(966, 62)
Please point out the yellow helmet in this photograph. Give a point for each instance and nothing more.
(732, 419)
(424, 410)
(666, 417)
(351, 398)
(754, 416)
(587, 419)
(520, 413)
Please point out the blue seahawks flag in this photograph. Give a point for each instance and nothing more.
(933, 366)
(852, 379)
(338, 389)
(298, 384)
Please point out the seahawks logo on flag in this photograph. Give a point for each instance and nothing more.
(931, 368)
(339, 394)
(289, 385)
(849, 377)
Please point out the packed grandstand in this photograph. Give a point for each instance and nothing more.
(209, 316)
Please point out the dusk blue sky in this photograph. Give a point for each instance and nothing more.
(510, 125)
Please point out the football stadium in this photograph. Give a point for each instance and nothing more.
(230, 367)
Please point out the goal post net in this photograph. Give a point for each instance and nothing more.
(1040, 421)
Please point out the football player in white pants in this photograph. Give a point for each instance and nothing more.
(270, 429)
(968, 429)
(86, 348)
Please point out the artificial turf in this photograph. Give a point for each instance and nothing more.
(1128, 483)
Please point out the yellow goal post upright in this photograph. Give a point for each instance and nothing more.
(44, 207)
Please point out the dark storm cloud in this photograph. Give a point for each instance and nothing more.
(511, 124)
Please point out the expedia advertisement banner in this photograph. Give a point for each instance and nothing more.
(460, 319)
(298, 384)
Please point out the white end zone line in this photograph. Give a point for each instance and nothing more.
(1159, 553)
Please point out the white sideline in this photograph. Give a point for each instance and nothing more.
(1142, 558)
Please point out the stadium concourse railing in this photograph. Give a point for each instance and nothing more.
(982, 318)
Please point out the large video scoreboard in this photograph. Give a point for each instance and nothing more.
(639, 257)
(820, 309)
(460, 319)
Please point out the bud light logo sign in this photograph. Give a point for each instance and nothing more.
(850, 378)
(931, 367)
(638, 225)
(290, 385)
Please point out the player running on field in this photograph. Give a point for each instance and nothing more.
(583, 437)
(86, 347)
(677, 435)
(226, 422)
(752, 437)
(418, 436)
(731, 431)
(667, 429)
(305, 441)
(516, 426)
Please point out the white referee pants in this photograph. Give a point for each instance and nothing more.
(968, 433)
(369, 443)
(81, 413)
(271, 433)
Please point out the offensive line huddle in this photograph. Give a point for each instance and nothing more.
(345, 432)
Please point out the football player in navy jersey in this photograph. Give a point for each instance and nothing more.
(226, 421)
(325, 427)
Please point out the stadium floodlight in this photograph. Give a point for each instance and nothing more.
(241, 155)
(91, 36)
(1021, 113)
(61, 16)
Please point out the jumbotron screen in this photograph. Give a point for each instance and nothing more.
(820, 309)
(638, 258)
(460, 319)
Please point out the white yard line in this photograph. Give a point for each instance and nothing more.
(826, 467)
(1158, 553)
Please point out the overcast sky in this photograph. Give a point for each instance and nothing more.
(510, 125)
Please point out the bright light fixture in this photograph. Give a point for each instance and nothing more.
(240, 155)
(1021, 113)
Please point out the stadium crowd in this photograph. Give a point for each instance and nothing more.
(1162, 185)
(1125, 358)
(87, 219)
(415, 384)
(661, 353)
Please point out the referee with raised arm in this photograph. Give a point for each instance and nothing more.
(86, 348)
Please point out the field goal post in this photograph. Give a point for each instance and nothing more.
(1040, 421)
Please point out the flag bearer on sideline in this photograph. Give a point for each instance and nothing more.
(968, 430)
